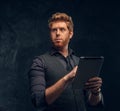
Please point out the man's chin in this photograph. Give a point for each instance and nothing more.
(58, 46)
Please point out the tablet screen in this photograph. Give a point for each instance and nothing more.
(88, 67)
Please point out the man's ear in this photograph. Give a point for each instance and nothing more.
(71, 34)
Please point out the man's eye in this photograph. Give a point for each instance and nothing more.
(62, 29)
(53, 30)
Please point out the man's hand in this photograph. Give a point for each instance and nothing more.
(94, 85)
(70, 76)
(54, 91)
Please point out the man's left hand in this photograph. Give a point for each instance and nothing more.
(94, 84)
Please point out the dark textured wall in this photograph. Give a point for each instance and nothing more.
(24, 34)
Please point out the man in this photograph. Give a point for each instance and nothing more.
(52, 73)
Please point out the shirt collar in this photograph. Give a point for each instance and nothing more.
(54, 51)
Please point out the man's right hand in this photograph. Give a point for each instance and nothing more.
(70, 76)
(54, 91)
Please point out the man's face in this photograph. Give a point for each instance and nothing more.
(60, 35)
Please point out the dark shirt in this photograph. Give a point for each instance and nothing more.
(45, 72)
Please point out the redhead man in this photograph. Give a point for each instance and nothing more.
(52, 73)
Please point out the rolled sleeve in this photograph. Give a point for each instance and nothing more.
(37, 83)
(100, 105)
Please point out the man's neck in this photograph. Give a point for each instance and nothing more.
(64, 52)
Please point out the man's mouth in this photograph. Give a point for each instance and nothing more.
(58, 40)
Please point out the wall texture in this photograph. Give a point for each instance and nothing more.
(24, 34)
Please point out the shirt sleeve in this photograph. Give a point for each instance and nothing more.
(37, 83)
(100, 105)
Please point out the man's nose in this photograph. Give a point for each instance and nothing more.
(58, 32)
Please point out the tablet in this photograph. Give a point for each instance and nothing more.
(88, 67)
